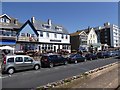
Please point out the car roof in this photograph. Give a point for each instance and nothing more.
(17, 56)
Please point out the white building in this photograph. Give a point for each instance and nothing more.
(51, 36)
(92, 40)
(109, 34)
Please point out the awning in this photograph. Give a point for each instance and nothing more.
(7, 42)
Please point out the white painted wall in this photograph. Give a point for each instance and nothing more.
(45, 39)
(92, 37)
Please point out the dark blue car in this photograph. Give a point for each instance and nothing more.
(91, 56)
(50, 60)
(75, 58)
(103, 54)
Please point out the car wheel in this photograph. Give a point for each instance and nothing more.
(36, 67)
(85, 60)
(11, 70)
(65, 63)
(76, 61)
(51, 65)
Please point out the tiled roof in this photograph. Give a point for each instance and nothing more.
(76, 33)
(10, 25)
(38, 26)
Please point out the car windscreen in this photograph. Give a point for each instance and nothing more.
(72, 55)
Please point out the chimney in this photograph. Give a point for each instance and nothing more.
(16, 21)
(106, 24)
(33, 19)
(49, 22)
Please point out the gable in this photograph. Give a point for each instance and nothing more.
(83, 33)
(5, 16)
(92, 31)
(27, 29)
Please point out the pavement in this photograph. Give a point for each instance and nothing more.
(107, 78)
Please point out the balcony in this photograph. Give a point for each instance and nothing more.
(28, 39)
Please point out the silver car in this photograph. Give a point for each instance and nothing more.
(12, 63)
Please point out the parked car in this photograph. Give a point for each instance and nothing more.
(75, 58)
(12, 63)
(112, 53)
(50, 60)
(103, 54)
(91, 56)
(118, 54)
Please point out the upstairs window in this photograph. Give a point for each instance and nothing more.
(47, 34)
(62, 36)
(66, 37)
(41, 33)
(22, 34)
(28, 35)
(32, 35)
(55, 35)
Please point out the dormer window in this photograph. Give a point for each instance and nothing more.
(2, 20)
(45, 26)
(5, 20)
(58, 28)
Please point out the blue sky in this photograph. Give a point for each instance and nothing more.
(73, 16)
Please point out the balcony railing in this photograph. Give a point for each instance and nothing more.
(29, 39)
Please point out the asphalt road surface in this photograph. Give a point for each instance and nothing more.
(33, 79)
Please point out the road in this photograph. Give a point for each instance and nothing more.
(33, 79)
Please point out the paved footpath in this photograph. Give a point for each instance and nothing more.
(109, 79)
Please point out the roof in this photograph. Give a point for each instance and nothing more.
(77, 33)
(38, 26)
(31, 25)
(10, 25)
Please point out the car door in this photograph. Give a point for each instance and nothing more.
(60, 59)
(19, 64)
(80, 58)
(28, 63)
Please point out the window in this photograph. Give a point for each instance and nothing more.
(93, 36)
(55, 35)
(18, 59)
(0, 32)
(28, 35)
(62, 36)
(47, 34)
(48, 47)
(89, 41)
(105, 40)
(66, 37)
(32, 35)
(10, 59)
(105, 36)
(13, 33)
(41, 33)
(2, 19)
(22, 34)
(27, 59)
